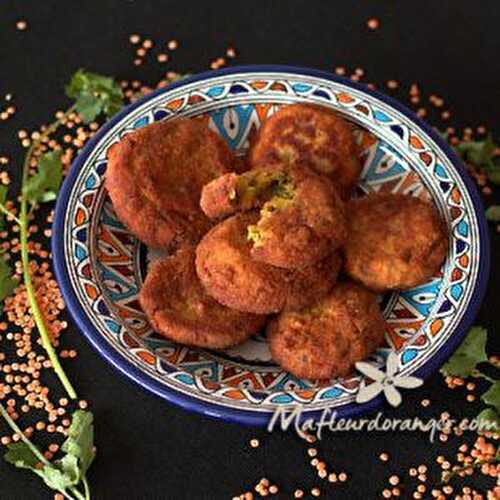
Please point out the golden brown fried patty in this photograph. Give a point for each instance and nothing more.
(327, 339)
(309, 284)
(395, 241)
(155, 176)
(232, 277)
(302, 218)
(312, 135)
(179, 308)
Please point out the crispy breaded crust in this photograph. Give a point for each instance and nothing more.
(179, 308)
(155, 176)
(295, 229)
(305, 230)
(310, 284)
(395, 241)
(217, 200)
(313, 135)
(326, 340)
(232, 277)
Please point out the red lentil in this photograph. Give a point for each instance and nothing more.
(373, 24)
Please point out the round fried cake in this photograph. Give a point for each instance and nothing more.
(179, 308)
(312, 135)
(302, 218)
(395, 241)
(231, 276)
(155, 176)
(328, 338)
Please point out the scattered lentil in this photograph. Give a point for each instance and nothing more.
(254, 443)
(373, 24)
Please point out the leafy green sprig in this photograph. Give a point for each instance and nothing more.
(465, 363)
(493, 213)
(447, 475)
(484, 155)
(65, 474)
(94, 95)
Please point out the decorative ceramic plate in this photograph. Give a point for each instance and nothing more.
(100, 266)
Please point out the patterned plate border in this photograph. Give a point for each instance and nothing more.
(213, 408)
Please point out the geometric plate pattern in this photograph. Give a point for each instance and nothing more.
(104, 264)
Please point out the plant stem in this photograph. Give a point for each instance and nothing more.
(478, 374)
(8, 213)
(77, 493)
(86, 487)
(25, 440)
(475, 465)
(30, 290)
(67, 495)
(38, 454)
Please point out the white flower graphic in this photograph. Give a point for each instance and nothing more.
(384, 382)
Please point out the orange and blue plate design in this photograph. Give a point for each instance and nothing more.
(100, 266)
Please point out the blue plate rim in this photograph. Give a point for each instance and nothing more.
(213, 409)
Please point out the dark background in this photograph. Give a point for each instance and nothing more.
(148, 449)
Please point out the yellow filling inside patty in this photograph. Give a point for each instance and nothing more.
(278, 189)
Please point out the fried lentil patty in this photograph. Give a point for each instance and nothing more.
(231, 276)
(313, 135)
(395, 241)
(302, 218)
(179, 308)
(155, 176)
(328, 338)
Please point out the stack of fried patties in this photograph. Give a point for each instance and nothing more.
(261, 243)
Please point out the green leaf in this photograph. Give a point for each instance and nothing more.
(179, 76)
(3, 199)
(482, 154)
(442, 134)
(20, 455)
(80, 441)
(62, 474)
(494, 175)
(468, 355)
(493, 213)
(489, 420)
(44, 185)
(477, 152)
(59, 475)
(88, 107)
(94, 94)
(55, 478)
(492, 396)
(7, 283)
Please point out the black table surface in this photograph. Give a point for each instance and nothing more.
(148, 449)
